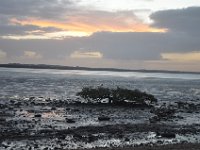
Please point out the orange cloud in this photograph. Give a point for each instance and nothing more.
(89, 54)
(184, 57)
(32, 55)
(89, 23)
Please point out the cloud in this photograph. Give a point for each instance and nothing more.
(41, 8)
(184, 57)
(32, 55)
(9, 29)
(54, 9)
(178, 20)
(12, 30)
(3, 54)
(83, 22)
(148, 48)
(38, 34)
(89, 54)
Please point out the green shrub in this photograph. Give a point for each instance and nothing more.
(117, 96)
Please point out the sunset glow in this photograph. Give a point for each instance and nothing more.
(143, 34)
(191, 56)
(89, 54)
(84, 26)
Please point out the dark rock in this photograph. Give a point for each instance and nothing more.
(31, 98)
(180, 117)
(91, 138)
(76, 110)
(67, 109)
(189, 111)
(154, 119)
(2, 120)
(38, 115)
(62, 137)
(127, 139)
(167, 135)
(48, 100)
(163, 113)
(53, 108)
(103, 118)
(120, 136)
(18, 104)
(36, 146)
(70, 120)
(12, 101)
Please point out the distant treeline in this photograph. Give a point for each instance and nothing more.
(59, 67)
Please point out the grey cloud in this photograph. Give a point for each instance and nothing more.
(42, 8)
(23, 30)
(117, 46)
(140, 46)
(124, 46)
(182, 20)
(9, 29)
(30, 8)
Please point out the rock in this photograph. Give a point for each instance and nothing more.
(103, 118)
(76, 110)
(38, 115)
(154, 119)
(67, 109)
(53, 108)
(163, 113)
(62, 137)
(48, 100)
(36, 146)
(189, 111)
(12, 101)
(167, 135)
(91, 138)
(70, 120)
(126, 139)
(2, 120)
(31, 98)
(105, 101)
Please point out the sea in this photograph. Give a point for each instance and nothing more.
(22, 83)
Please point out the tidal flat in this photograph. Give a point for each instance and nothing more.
(40, 110)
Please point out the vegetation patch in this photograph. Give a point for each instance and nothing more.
(118, 96)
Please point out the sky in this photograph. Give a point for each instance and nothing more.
(129, 34)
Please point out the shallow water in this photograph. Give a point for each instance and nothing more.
(64, 84)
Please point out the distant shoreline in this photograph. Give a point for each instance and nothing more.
(59, 67)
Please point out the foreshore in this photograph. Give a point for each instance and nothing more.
(182, 146)
(38, 123)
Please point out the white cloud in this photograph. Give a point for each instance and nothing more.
(2, 54)
(154, 5)
(89, 54)
(32, 55)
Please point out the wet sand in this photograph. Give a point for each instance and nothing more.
(42, 124)
(188, 146)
